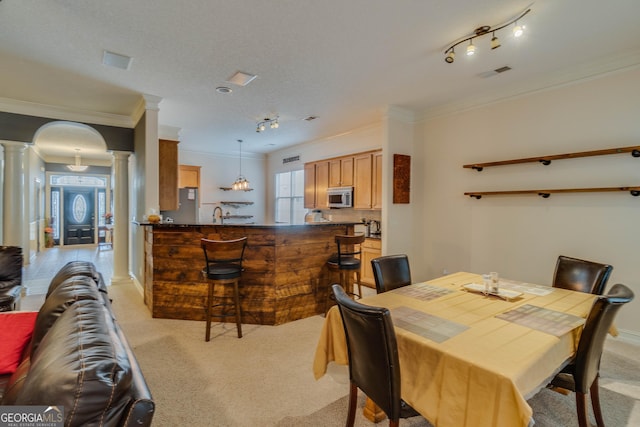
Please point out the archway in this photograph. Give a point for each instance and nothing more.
(75, 201)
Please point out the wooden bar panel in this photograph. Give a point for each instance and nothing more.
(284, 279)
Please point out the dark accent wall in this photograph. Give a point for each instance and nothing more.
(22, 128)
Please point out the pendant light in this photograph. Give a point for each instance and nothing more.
(241, 183)
(77, 167)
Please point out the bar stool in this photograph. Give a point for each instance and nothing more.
(224, 267)
(347, 261)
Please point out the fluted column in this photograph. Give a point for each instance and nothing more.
(121, 215)
(13, 221)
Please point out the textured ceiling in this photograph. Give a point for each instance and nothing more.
(343, 61)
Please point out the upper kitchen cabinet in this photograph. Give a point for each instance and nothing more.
(341, 172)
(189, 176)
(316, 182)
(368, 181)
(168, 177)
(376, 180)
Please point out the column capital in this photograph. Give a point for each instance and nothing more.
(14, 145)
(151, 102)
(120, 155)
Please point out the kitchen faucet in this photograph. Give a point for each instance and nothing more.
(218, 208)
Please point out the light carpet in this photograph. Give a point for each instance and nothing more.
(265, 378)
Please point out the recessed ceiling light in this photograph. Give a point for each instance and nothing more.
(241, 79)
(223, 89)
(116, 60)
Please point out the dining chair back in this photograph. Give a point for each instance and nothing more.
(580, 275)
(223, 266)
(391, 272)
(581, 375)
(373, 357)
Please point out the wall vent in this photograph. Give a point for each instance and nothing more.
(290, 159)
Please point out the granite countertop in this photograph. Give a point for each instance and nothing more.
(178, 225)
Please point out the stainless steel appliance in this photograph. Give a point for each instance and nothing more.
(188, 210)
(340, 197)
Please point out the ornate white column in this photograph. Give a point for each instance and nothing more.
(121, 215)
(13, 221)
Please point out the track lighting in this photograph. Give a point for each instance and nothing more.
(451, 56)
(273, 124)
(495, 43)
(518, 30)
(471, 49)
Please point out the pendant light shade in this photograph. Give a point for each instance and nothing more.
(241, 183)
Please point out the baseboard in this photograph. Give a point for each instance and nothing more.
(138, 285)
(628, 336)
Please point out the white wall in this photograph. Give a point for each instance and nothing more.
(521, 236)
(220, 171)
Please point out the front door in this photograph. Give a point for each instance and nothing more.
(79, 216)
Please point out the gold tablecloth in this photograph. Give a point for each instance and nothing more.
(480, 377)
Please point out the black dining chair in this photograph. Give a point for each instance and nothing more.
(391, 272)
(580, 275)
(581, 375)
(373, 357)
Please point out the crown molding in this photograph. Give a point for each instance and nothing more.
(63, 113)
(399, 113)
(169, 132)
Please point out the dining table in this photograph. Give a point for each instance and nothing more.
(470, 357)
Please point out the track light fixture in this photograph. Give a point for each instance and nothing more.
(484, 30)
(272, 123)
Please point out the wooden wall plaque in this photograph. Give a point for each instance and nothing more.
(401, 178)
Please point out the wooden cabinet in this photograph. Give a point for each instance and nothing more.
(310, 185)
(341, 172)
(362, 170)
(322, 183)
(371, 248)
(376, 180)
(189, 176)
(316, 182)
(168, 179)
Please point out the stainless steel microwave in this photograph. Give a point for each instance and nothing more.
(340, 197)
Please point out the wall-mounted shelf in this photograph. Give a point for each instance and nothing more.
(236, 204)
(634, 191)
(229, 189)
(237, 216)
(546, 160)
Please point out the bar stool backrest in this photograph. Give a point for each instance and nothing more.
(349, 247)
(223, 254)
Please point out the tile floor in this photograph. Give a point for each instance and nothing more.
(37, 275)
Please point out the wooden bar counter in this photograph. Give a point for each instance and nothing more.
(285, 277)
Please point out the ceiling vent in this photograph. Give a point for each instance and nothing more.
(116, 60)
(495, 72)
(240, 78)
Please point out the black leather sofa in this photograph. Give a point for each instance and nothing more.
(10, 277)
(79, 358)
